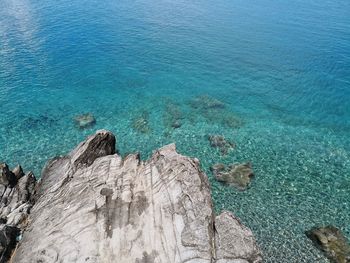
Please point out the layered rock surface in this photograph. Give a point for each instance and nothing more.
(94, 206)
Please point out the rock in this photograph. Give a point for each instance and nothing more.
(18, 172)
(15, 206)
(8, 235)
(332, 242)
(7, 177)
(85, 121)
(141, 123)
(206, 102)
(237, 175)
(95, 206)
(234, 241)
(219, 141)
(172, 115)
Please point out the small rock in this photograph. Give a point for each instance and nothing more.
(141, 123)
(219, 141)
(85, 121)
(206, 102)
(237, 175)
(332, 242)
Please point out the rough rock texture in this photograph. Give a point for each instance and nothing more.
(94, 206)
(332, 242)
(17, 190)
(237, 175)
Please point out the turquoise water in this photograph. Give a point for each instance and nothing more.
(281, 70)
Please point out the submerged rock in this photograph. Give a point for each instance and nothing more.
(172, 116)
(85, 121)
(219, 141)
(237, 175)
(332, 242)
(141, 123)
(206, 102)
(112, 208)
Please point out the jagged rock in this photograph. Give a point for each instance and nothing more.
(7, 177)
(94, 206)
(237, 175)
(332, 242)
(18, 172)
(8, 235)
(219, 141)
(85, 121)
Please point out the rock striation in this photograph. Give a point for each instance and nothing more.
(94, 206)
(17, 190)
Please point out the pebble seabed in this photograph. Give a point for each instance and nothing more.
(300, 168)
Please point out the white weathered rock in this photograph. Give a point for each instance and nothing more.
(94, 206)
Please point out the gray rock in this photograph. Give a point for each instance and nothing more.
(332, 242)
(18, 172)
(85, 121)
(237, 175)
(94, 206)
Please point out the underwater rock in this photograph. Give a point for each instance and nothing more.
(112, 208)
(141, 123)
(85, 121)
(172, 116)
(206, 102)
(219, 141)
(237, 175)
(332, 242)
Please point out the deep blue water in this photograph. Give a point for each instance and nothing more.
(282, 69)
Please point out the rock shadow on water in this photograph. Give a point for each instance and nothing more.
(215, 111)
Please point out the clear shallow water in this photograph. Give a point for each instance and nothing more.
(282, 70)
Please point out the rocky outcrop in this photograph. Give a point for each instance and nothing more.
(95, 206)
(237, 175)
(332, 242)
(17, 190)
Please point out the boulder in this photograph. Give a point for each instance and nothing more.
(85, 121)
(95, 206)
(237, 175)
(332, 242)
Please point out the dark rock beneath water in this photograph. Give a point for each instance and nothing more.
(206, 102)
(237, 175)
(172, 116)
(141, 123)
(85, 121)
(219, 141)
(332, 242)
